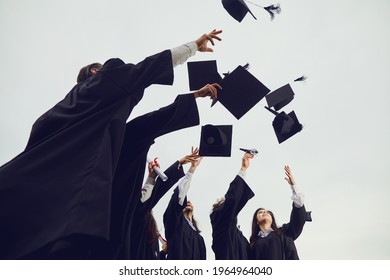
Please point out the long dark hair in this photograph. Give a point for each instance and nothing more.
(195, 224)
(85, 72)
(152, 225)
(255, 226)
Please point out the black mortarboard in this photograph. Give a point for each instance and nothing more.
(201, 73)
(216, 140)
(308, 216)
(237, 9)
(280, 97)
(240, 92)
(285, 125)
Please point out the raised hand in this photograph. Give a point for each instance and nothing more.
(201, 43)
(290, 179)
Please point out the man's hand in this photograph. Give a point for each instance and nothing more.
(201, 43)
(208, 90)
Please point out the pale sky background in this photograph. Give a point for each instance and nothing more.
(341, 158)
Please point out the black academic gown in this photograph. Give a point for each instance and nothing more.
(228, 241)
(140, 246)
(274, 247)
(140, 135)
(62, 183)
(184, 243)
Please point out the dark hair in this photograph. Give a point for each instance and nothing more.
(152, 225)
(255, 226)
(85, 72)
(195, 224)
(218, 204)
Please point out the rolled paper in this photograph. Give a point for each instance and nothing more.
(159, 172)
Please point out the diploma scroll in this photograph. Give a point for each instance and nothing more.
(158, 170)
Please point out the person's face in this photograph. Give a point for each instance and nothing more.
(189, 207)
(263, 215)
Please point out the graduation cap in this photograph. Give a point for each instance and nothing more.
(280, 97)
(201, 73)
(308, 216)
(285, 125)
(241, 91)
(216, 141)
(238, 9)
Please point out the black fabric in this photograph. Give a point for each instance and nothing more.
(141, 247)
(61, 184)
(228, 241)
(140, 135)
(184, 243)
(274, 247)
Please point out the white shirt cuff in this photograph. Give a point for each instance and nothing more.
(242, 174)
(181, 53)
(147, 189)
(297, 197)
(184, 186)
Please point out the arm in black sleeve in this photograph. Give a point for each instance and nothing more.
(174, 173)
(297, 221)
(173, 213)
(236, 197)
(182, 113)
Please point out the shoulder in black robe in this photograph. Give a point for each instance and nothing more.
(274, 247)
(184, 243)
(61, 184)
(228, 241)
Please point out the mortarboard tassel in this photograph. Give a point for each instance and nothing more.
(272, 9)
(246, 66)
(272, 111)
(301, 79)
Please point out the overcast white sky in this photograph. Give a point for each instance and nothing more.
(341, 158)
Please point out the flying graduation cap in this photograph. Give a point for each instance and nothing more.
(241, 91)
(216, 140)
(238, 9)
(201, 73)
(282, 96)
(285, 125)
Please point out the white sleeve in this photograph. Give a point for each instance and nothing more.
(297, 197)
(242, 174)
(147, 189)
(181, 53)
(184, 186)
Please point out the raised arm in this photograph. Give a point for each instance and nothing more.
(238, 194)
(181, 53)
(298, 213)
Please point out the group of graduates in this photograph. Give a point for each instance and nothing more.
(77, 192)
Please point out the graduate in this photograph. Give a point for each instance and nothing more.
(270, 242)
(182, 113)
(56, 197)
(229, 243)
(181, 230)
(144, 232)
